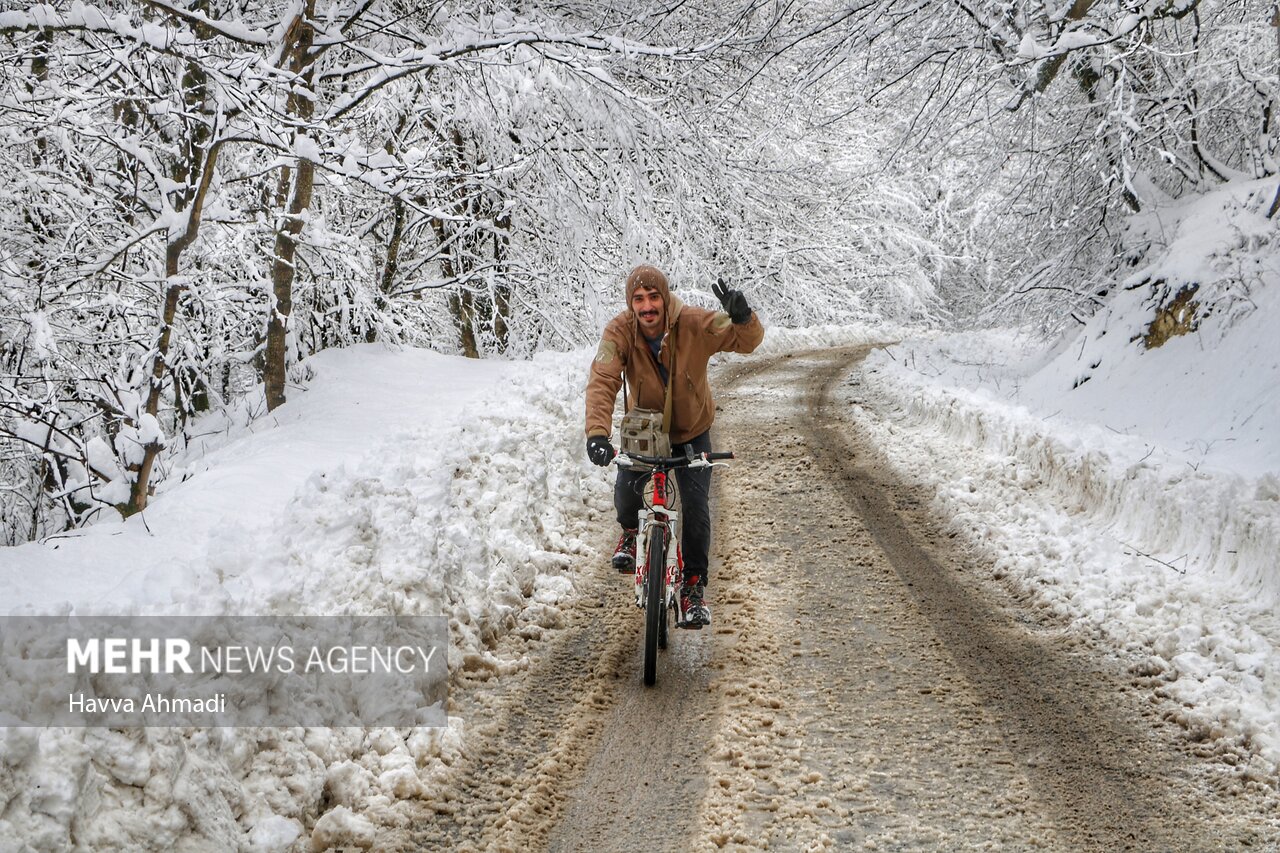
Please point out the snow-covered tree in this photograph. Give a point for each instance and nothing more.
(218, 189)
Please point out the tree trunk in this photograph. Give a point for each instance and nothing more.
(282, 276)
(1050, 67)
(387, 281)
(392, 266)
(462, 302)
(283, 266)
(501, 284)
(140, 489)
(1275, 23)
(462, 306)
(195, 170)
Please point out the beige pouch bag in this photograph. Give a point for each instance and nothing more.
(642, 433)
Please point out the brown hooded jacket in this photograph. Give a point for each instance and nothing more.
(693, 335)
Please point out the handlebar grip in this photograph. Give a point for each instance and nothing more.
(711, 457)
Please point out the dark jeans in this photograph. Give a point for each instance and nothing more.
(695, 509)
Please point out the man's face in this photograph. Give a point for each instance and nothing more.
(647, 303)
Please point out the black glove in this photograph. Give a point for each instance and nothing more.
(735, 304)
(599, 450)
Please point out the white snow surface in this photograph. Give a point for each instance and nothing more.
(1148, 536)
(405, 480)
(239, 476)
(1212, 395)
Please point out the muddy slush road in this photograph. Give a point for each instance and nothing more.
(864, 685)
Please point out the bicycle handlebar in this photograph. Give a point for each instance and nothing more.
(699, 459)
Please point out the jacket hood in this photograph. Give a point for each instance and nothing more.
(650, 276)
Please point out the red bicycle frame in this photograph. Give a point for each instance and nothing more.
(659, 489)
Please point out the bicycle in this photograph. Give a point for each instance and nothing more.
(661, 573)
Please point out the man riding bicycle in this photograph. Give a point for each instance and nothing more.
(662, 347)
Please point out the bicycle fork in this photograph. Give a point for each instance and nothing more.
(659, 514)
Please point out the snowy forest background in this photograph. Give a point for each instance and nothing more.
(197, 195)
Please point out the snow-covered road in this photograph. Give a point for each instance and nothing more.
(866, 684)
(929, 631)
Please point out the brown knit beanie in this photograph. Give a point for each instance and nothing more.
(647, 276)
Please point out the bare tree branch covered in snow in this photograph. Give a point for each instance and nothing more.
(218, 189)
(1053, 122)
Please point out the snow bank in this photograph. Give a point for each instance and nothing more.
(1129, 476)
(405, 480)
(230, 485)
(1167, 557)
(1208, 383)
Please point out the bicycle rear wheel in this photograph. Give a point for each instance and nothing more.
(655, 601)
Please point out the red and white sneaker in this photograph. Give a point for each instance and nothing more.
(624, 558)
(694, 612)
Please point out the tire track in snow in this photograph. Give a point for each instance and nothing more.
(1089, 764)
(898, 702)
(642, 786)
(530, 735)
(575, 753)
(843, 722)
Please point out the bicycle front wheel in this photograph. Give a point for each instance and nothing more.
(655, 601)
